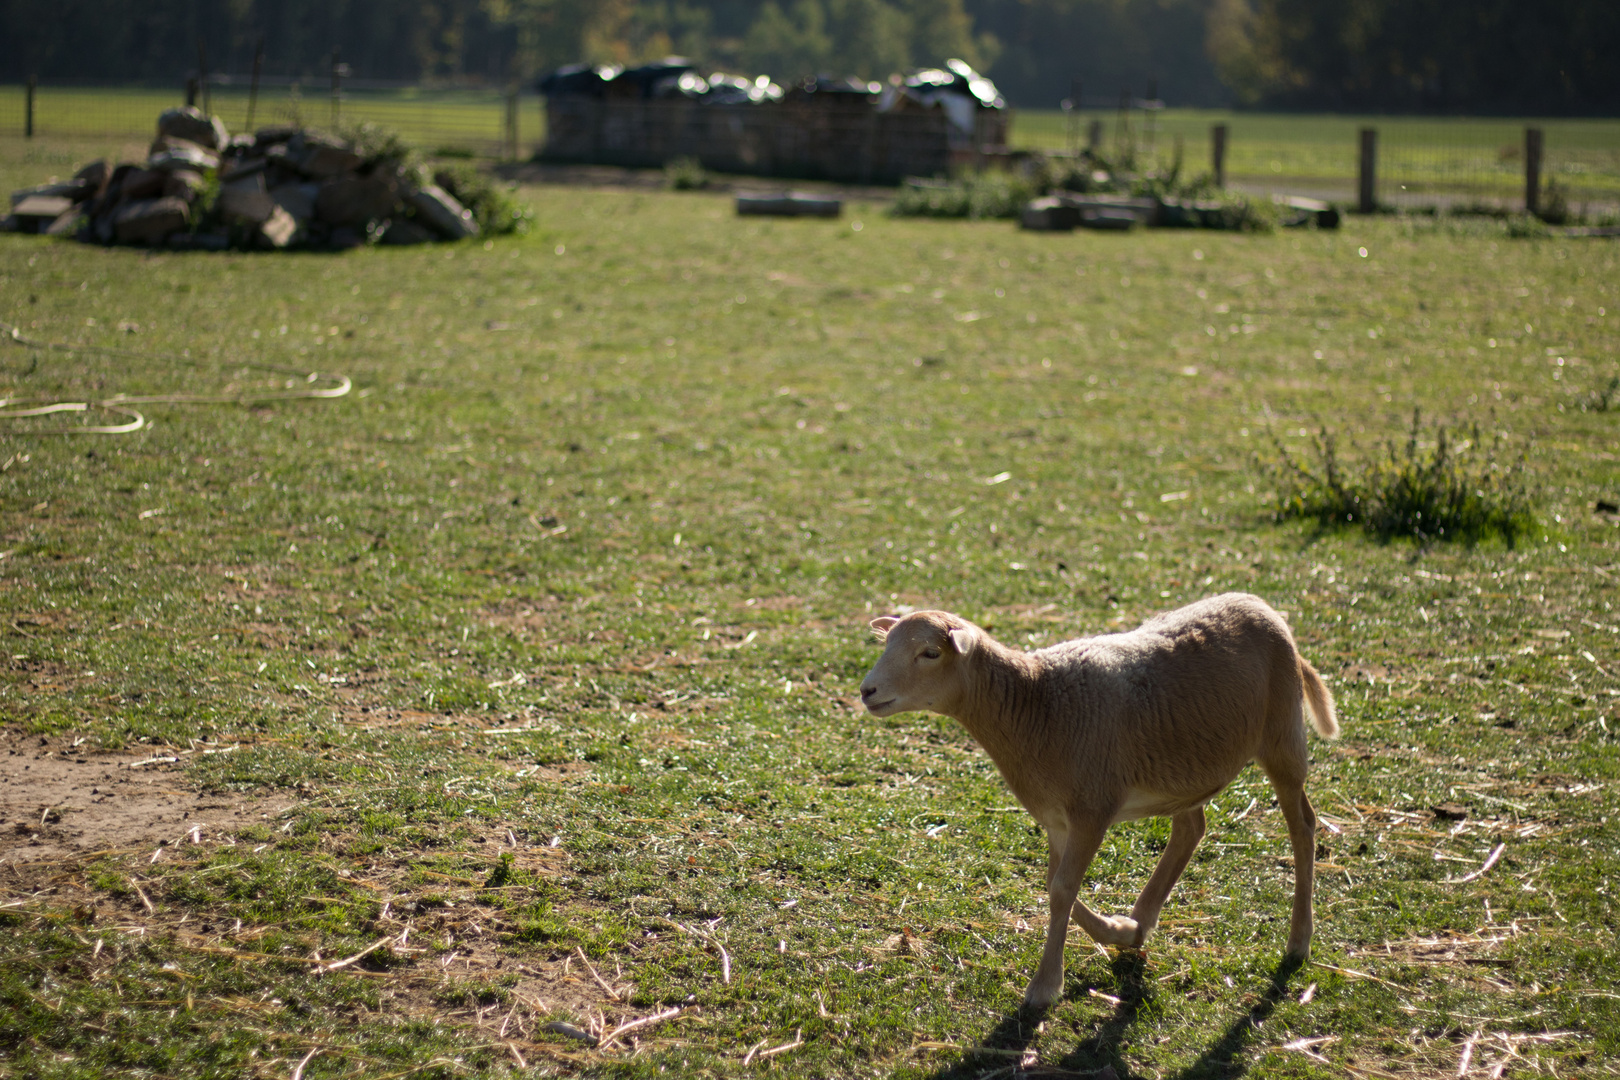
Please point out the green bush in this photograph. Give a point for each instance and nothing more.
(1442, 490)
(982, 195)
(685, 174)
(494, 205)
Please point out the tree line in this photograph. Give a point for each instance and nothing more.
(1491, 56)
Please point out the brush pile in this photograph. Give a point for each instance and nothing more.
(281, 187)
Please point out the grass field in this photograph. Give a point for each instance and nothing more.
(529, 664)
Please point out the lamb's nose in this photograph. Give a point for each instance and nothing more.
(867, 691)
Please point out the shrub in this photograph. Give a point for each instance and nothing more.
(1430, 491)
(685, 174)
(494, 205)
(983, 195)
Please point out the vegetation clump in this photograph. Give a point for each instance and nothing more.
(1429, 488)
(685, 174)
(494, 205)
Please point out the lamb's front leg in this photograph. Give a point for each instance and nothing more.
(1071, 852)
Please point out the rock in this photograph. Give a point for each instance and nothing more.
(345, 237)
(272, 136)
(1118, 218)
(297, 199)
(1299, 211)
(234, 168)
(176, 154)
(277, 230)
(150, 221)
(438, 210)
(207, 241)
(355, 200)
(193, 125)
(403, 231)
(183, 184)
(1049, 215)
(8, 223)
(140, 184)
(76, 190)
(68, 223)
(245, 206)
(789, 204)
(320, 156)
(95, 176)
(36, 213)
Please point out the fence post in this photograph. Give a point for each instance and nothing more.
(253, 87)
(191, 92)
(337, 84)
(1367, 200)
(1217, 154)
(202, 75)
(28, 116)
(1532, 170)
(511, 125)
(1094, 137)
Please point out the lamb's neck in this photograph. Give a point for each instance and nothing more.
(1002, 707)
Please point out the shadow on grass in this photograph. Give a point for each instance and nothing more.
(1004, 1050)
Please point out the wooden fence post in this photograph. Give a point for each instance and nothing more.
(1367, 200)
(28, 116)
(1094, 136)
(1217, 154)
(1532, 170)
(512, 125)
(253, 87)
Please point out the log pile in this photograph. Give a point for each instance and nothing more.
(281, 187)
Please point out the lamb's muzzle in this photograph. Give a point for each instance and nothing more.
(1112, 728)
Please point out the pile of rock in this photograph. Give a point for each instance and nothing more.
(278, 188)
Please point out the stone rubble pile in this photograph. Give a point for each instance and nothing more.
(282, 187)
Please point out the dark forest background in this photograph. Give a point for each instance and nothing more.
(1446, 56)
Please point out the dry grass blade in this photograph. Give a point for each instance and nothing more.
(1308, 1046)
(725, 957)
(616, 995)
(1490, 861)
(361, 955)
(1467, 1054)
(798, 1041)
(635, 1025)
(298, 1070)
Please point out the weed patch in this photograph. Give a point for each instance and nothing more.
(1430, 487)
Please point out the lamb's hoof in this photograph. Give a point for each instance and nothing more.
(1042, 995)
(1122, 932)
(1297, 956)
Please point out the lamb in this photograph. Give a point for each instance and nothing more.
(1105, 729)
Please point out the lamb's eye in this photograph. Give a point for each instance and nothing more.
(931, 653)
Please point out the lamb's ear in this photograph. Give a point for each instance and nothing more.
(962, 639)
(883, 624)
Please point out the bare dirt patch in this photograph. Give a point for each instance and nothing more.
(61, 800)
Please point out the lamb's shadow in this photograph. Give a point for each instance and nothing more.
(1003, 1049)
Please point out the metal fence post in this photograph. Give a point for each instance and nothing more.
(1217, 154)
(1367, 202)
(1532, 170)
(28, 115)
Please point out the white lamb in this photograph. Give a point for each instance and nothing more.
(1121, 726)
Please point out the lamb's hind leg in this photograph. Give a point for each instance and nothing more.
(1130, 931)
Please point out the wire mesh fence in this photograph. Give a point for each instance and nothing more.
(455, 121)
(1420, 161)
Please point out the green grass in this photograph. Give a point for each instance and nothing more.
(579, 574)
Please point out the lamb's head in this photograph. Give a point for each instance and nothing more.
(924, 663)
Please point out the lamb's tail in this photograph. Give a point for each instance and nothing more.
(1319, 701)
